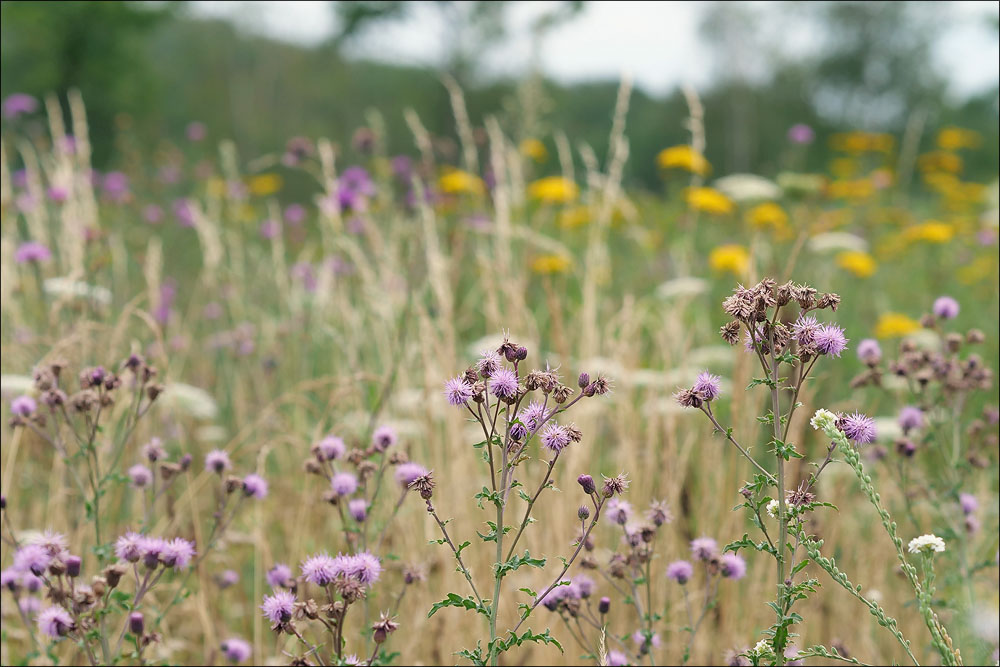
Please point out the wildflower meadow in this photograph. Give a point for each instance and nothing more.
(328, 404)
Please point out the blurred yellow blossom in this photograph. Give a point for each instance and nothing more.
(573, 217)
(980, 269)
(862, 142)
(843, 167)
(456, 181)
(554, 190)
(547, 265)
(930, 231)
(683, 157)
(953, 138)
(940, 161)
(731, 257)
(860, 264)
(861, 188)
(894, 325)
(709, 200)
(216, 187)
(534, 149)
(767, 214)
(263, 185)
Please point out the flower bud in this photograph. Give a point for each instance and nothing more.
(73, 564)
(136, 623)
(604, 606)
(583, 380)
(587, 482)
(583, 513)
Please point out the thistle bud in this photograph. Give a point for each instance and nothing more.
(583, 513)
(587, 482)
(583, 380)
(136, 623)
(604, 605)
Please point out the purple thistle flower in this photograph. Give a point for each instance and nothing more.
(869, 351)
(458, 391)
(255, 485)
(555, 437)
(829, 339)
(946, 308)
(331, 448)
(127, 547)
(680, 571)
(228, 578)
(642, 641)
(619, 511)
(236, 650)
(33, 558)
(968, 503)
(19, 103)
(383, 438)
(800, 133)
(407, 472)
(53, 542)
(503, 384)
(57, 193)
(55, 622)
(217, 461)
(152, 214)
(911, 418)
(858, 427)
(295, 214)
(703, 548)
(10, 579)
(184, 212)
(707, 386)
(195, 131)
(152, 450)
(115, 184)
(30, 605)
(270, 229)
(344, 483)
(32, 251)
(489, 363)
(140, 475)
(23, 406)
(278, 608)
(177, 553)
(733, 566)
(321, 569)
(150, 549)
(365, 567)
(804, 328)
(584, 584)
(279, 575)
(617, 659)
(533, 415)
(358, 509)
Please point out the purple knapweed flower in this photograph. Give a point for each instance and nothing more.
(255, 485)
(503, 384)
(680, 571)
(278, 608)
(946, 307)
(733, 566)
(23, 406)
(140, 475)
(457, 391)
(858, 427)
(344, 483)
(331, 448)
(55, 622)
(279, 575)
(217, 461)
(32, 251)
(703, 548)
(707, 386)
(358, 509)
(236, 650)
(829, 339)
(383, 438)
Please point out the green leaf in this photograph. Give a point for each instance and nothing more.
(455, 600)
(516, 562)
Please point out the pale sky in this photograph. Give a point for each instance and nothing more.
(656, 43)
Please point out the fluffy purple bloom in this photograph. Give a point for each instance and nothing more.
(584, 584)
(153, 450)
(331, 447)
(829, 339)
(152, 214)
(800, 133)
(10, 579)
(703, 548)
(869, 351)
(150, 550)
(489, 363)
(733, 566)
(278, 608)
(195, 131)
(858, 427)
(358, 509)
(344, 483)
(270, 229)
(23, 406)
(968, 503)
(57, 193)
(115, 184)
(946, 308)
(911, 418)
(384, 438)
(255, 485)
(365, 567)
(217, 461)
(555, 437)
(295, 214)
(707, 386)
(533, 415)
(407, 472)
(321, 569)
(177, 553)
(228, 578)
(19, 103)
(32, 251)
(617, 659)
(127, 547)
(619, 511)
(33, 558)
(458, 391)
(55, 622)
(278, 575)
(641, 640)
(356, 179)
(140, 475)
(184, 212)
(503, 384)
(236, 650)
(680, 571)
(804, 328)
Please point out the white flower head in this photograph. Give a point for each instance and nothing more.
(772, 508)
(926, 544)
(823, 420)
(761, 648)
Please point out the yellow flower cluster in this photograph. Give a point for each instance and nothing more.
(862, 142)
(731, 257)
(573, 217)
(930, 231)
(895, 325)
(548, 265)
(534, 149)
(263, 185)
(861, 188)
(683, 157)
(938, 161)
(456, 181)
(861, 264)
(554, 190)
(768, 214)
(709, 200)
(953, 138)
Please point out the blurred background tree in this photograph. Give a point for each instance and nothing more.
(158, 66)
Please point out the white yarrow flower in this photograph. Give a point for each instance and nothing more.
(926, 544)
(823, 420)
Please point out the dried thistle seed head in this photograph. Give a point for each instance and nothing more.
(800, 496)
(153, 391)
(471, 375)
(928, 321)
(588, 562)
(615, 485)
(688, 398)
(356, 456)
(730, 332)
(974, 336)
(562, 393)
(953, 341)
(113, 574)
(424, 485)
(398, 457)
(169, 470)
(413, 574)
(383, 627)
(805, 296)
(617, 566)
(366, 469)
(45, 379)
(233, 483)
(84, 401)
(783, 293)
(312, 467)
(508, 350)
(740, 304)
(575, 434)
(99, 585)
(479, 392)
(349, 588)
(600, 386)
(829, 300)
